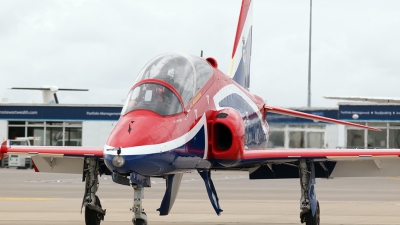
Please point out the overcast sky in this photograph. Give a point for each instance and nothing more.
(102, 45)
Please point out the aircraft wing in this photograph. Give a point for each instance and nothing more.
(364, 99)
(55, 159)
(294, 113)
(277, 163)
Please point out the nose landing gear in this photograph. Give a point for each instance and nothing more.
(139, 217)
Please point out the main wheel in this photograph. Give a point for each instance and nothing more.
(313, 220)
(93, 217)
(139, 222)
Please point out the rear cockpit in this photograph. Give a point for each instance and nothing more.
(157, 85)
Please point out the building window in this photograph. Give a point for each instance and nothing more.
(315, 140)
(73, 136)
(54, 136)
(14, 132)
(297, 136)
(277, 139)
(36, 132)
(355, 138)
(394, 138)
(377, 139)
(52, 133)
(388, 137)
(296, 139)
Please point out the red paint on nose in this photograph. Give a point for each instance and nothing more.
(138, 128)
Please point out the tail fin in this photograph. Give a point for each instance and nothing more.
(239, 68)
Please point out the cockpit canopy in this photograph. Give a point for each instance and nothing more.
(154, 97)
(186, 73)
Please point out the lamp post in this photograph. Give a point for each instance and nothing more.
(309, 61)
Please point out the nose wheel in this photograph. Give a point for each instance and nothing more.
(140, 221)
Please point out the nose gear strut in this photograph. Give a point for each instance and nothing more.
(139, 217)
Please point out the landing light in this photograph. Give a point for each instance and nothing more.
(118, 161)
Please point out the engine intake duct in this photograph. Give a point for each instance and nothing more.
(223, 136)
(227, 132)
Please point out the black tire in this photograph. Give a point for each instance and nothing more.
(313, 220)
(139, 222)
(92, 217)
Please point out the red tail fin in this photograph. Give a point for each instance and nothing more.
(239, 68)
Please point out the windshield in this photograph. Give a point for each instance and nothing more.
(186, 73)
(154, 97)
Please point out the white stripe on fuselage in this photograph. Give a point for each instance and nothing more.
(163, 147)
(233, 89)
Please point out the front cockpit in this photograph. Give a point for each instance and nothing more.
(155, 97)
(167, 83)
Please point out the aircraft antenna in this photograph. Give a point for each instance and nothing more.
(201, 54)
(309, 61)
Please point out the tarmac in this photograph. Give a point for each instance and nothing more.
(33, 198)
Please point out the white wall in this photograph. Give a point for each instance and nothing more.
(95, 133)
(3, 130)
(331, 135)
(342, 136)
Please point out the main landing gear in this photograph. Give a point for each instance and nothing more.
(309, 206)
(94, 213)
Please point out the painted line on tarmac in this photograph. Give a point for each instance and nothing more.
(27, 199)
(394, 178)
(201, 180)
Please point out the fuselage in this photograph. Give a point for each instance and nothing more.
(155, 140)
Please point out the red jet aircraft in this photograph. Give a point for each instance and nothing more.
(183, 114)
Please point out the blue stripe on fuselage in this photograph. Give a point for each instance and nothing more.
(186, 157)
(255, 135)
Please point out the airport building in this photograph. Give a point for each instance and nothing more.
(290, 132)
(59, 125)
(90, 125)
(294, 132)
(386, 117)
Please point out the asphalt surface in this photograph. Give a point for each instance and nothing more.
(33, 198)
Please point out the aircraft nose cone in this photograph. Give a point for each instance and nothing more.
(138, 135)
(138, 129)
